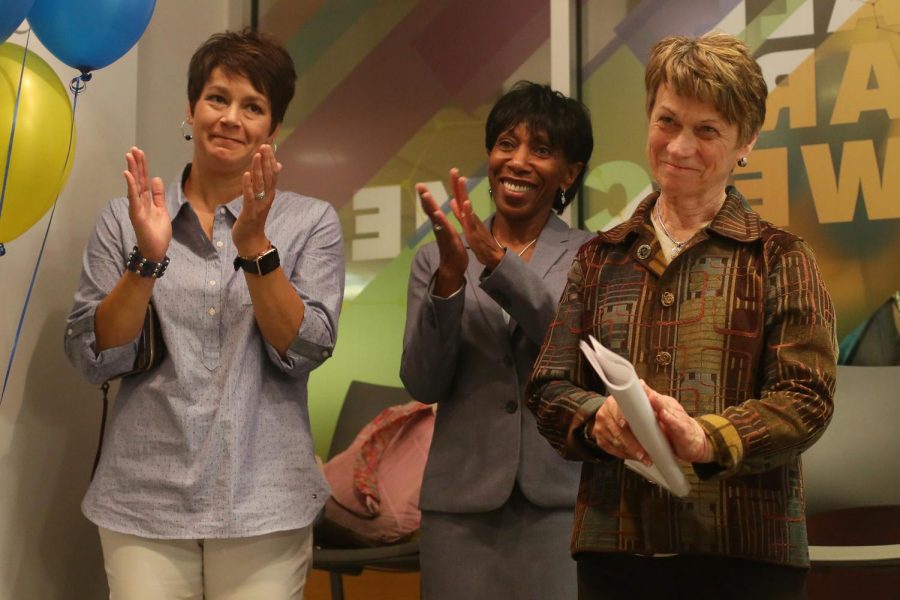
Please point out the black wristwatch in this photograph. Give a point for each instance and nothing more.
(261, 264)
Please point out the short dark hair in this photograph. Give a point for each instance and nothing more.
(258, 56)
(566, 122)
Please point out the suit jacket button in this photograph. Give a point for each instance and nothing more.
(512, 406)
(663, 358)
(643, 251)
(667, 299)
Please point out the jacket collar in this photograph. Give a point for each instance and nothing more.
(735, 220)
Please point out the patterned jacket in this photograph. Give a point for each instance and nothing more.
(740, 329)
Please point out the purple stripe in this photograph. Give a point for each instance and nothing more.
(400, 86)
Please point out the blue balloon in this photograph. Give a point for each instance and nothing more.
(90, 34)
(12, 12)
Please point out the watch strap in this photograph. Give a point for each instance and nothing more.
(262, 264)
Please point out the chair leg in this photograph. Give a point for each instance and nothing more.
(337, 585)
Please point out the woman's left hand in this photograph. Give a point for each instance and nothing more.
(480, 240)
(688, 439)
(259, 183)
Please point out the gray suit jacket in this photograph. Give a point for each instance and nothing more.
(462, 353)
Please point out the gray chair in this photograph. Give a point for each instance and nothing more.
(361, 404)
(852, 486)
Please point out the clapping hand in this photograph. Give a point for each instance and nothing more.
(259, 184)
(481, 241)
(147, 207)
(453, 256)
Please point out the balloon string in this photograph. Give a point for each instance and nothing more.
(79, 84)
(12, 133)
(37, 264)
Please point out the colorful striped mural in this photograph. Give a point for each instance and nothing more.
(393, 92)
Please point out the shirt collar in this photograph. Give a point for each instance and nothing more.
(735, 219)
(176, 200)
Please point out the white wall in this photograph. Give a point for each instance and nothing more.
(49, 419)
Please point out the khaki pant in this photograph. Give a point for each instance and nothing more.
(271, 567)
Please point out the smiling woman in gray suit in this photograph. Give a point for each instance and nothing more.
(496, 500)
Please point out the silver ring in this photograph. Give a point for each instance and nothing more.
(437, 227)
(260, 196)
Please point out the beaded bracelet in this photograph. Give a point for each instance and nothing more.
(145, 267)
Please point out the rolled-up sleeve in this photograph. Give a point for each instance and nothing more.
(102, 267)
(318, 277)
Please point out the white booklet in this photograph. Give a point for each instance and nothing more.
(622, 382)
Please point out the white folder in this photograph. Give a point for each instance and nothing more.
(622, 383)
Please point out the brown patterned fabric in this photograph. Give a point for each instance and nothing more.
(739, 328)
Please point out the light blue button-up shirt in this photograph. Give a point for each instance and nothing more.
(215, 442)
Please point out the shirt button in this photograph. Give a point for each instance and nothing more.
(512, 406)
(668, 299)
(69, 332)
(219, 244)
(643, 251)
(222, 210)
(212, 282)
(664, 358)
(211, 311)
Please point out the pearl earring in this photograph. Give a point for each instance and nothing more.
(187, 131)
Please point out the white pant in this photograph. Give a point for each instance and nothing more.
(270, 567)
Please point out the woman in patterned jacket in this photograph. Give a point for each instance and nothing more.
(727, 322)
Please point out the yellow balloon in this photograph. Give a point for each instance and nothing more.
(38, 169)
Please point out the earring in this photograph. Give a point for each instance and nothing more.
(562, 196)
(187, 133)
(490, 193)
(742, 161)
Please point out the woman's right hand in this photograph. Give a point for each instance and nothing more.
(611, 433)
(147, 208)
(453, 257)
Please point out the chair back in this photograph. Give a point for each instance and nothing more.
(362, 403)
(856, 463)
(851, 480)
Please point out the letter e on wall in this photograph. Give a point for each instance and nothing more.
(382, 218)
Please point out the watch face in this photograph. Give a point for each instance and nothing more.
(265, 263)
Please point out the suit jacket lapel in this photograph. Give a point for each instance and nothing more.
(550, 247)
(490, 311)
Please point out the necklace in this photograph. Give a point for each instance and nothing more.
(521, 252)
(662, 224)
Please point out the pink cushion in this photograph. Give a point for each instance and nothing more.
(376, 481)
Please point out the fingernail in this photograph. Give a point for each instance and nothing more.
(622, 422)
